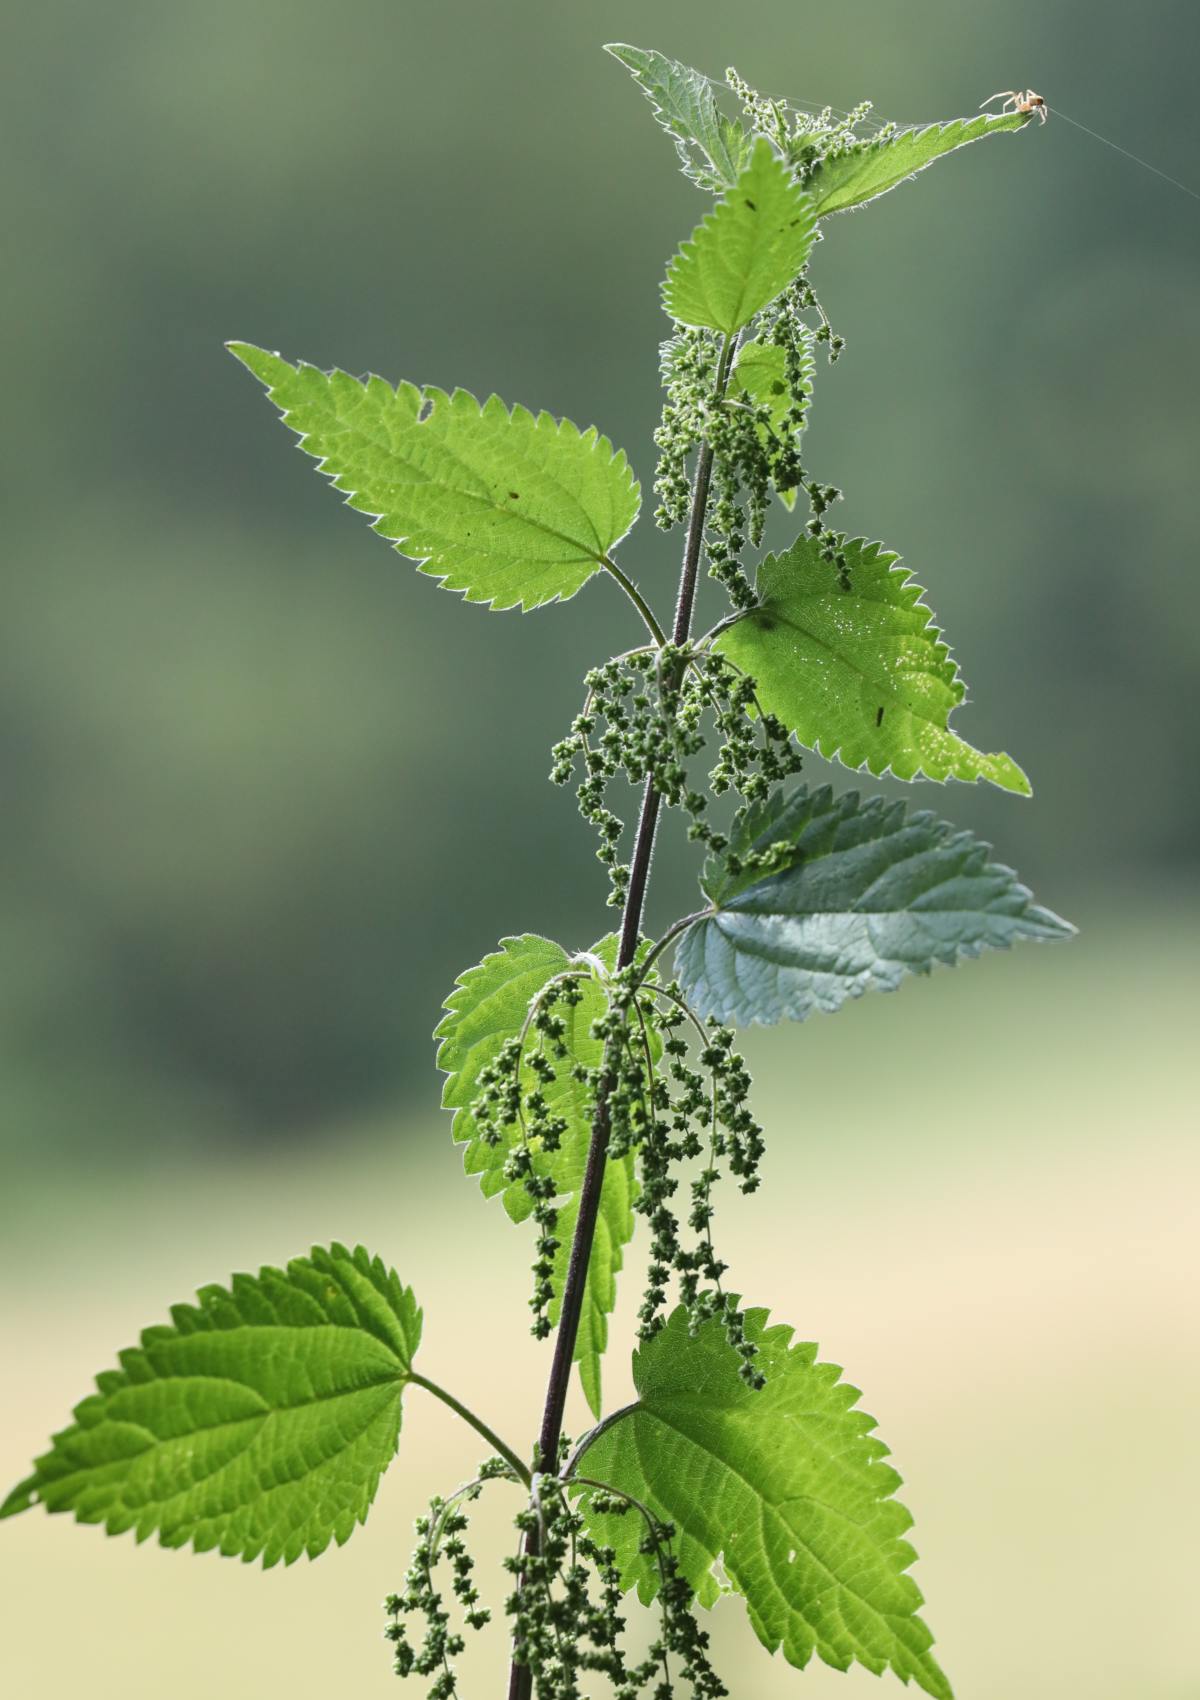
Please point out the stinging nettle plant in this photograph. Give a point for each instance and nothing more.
(595, 1087)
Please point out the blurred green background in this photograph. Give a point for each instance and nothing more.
(268, 790)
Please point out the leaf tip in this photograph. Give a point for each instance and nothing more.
(22, 1498)
(265, 366)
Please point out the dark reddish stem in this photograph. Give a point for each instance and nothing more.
(520, 1683)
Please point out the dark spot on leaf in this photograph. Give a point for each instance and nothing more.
(751, 204)
(879, 717)
(765, 623)
(514, 495)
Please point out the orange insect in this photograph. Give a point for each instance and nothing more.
(1023, 101)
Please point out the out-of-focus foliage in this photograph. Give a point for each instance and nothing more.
(223, 803)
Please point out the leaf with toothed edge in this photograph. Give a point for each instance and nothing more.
(712, 148)
(487, 1007)
(786, 1487)
(511, 508)
(748, 250)
(859, 671)
(258, 1424)
(871, 168)
(864, 894)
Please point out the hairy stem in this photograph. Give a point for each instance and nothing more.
(520, 1685)
(669, 937)
(477, 1423)
(635, 596)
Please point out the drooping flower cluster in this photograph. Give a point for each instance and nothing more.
(643, 719)
(567, 1615)
(440, 1540)
(667, 1099)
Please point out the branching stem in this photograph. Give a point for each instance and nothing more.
(520, 1676)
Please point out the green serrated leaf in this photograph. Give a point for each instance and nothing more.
(258, 1424)
(761, 371)
(871, 168)
(487, 1007)
(712, 148)
(865, 893)
(511, 508)
(787, 1488)
(745, 252)
(858, 671)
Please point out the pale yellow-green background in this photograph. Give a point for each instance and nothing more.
(244, 854)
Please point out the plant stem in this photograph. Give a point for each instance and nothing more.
(477, 1423)
(672, 933)
(520, 1684)
(639, 601)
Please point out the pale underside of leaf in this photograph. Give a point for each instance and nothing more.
(867, 893)
(748, 250)
(860, 675)
(487, 1007)
(712, 148)
(786, 1488)
(871, 168)
(511, 508)
(258, 1424)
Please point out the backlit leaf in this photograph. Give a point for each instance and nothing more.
(871, 168)
(749, 248)
(856, 668)
(511, 508)
(487, 1007)
(712, 148)
(786, 1488)
(258, 1424)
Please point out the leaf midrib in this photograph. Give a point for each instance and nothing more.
(404, 1376)
(770, 1507)
(954, 685)
(387, 448)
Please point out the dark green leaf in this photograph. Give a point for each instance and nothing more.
(864, 894)
(258, 1424)
(786, 1488)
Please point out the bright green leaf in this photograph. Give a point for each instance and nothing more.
(513, 509)
(864, 893)
(871, 168)
(712, 148)
(858, 671)
(786, 1488)
(487, 1007)
(748, 249)
(761, 371)
(259, 1424)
